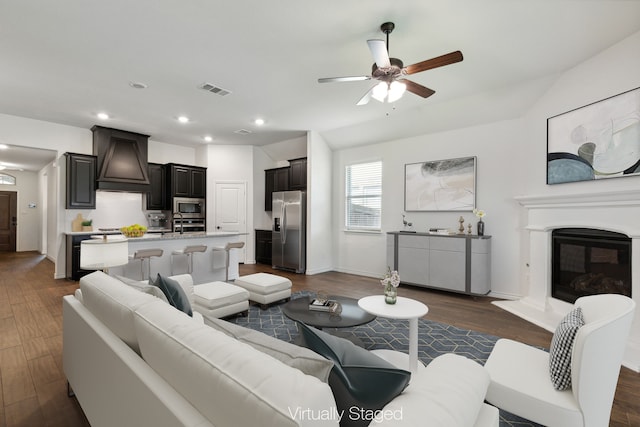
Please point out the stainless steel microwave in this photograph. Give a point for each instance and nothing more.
(189, 208)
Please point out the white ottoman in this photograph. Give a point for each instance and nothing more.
(219, 299)
(265, 288)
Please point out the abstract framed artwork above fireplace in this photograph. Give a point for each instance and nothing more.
(598, 141)
(611, 211)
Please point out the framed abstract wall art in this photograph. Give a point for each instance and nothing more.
(599, 140)
(441, 185)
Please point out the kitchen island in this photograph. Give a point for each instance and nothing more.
(207, 266)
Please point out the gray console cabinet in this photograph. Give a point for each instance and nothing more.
(458, 263)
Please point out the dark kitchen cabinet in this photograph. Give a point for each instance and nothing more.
(274, 180)
(157, 195)
(269, 183)
(263, 246)
(180, 181)
(281, 182)
(81, 181)
(298, 174)
(73, 270)
(187, 181)
(198, 177)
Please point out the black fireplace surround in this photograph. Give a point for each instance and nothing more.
(587, 261)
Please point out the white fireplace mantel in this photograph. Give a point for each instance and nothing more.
(588, 200)
(617, 211)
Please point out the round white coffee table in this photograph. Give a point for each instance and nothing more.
(404, 308)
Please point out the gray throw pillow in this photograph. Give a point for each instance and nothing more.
(174, 293)
(561, 348)
(292, 355)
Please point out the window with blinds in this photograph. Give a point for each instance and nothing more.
(364, 196)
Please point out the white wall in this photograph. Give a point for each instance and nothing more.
(511, 162)
(28, 219)
(319, 191)
(365, 253)
(232, 163)
(161, 152)
(38, 134)
(612, 71)
(282, 151)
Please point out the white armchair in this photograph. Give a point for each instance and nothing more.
(520, 381)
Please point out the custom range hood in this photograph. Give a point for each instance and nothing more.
(122, 160)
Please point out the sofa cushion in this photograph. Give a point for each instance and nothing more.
(228, 381)
(450, 391)
(359, 378)
(174, 293)
(292, 355)
(561, 348)
(113, 303)
(143, 286)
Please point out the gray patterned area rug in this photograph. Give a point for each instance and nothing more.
(434, 339)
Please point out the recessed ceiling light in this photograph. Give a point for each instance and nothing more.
(183, 119)
(208, 138)
(3, 146)
(137, 85)
(103, 116)
(259, 122)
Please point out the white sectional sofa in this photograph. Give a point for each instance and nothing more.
(133, 360)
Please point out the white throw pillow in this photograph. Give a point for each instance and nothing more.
(144, 286)
(293, 355)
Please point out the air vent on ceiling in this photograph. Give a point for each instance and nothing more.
(242, 132)
(214, 89)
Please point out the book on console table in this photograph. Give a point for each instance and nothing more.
(439, 231)
(322, 305)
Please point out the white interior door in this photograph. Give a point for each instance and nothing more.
(231, 211)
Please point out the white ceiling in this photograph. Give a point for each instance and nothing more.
(64, 61)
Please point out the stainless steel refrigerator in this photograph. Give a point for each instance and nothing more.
(289, 243)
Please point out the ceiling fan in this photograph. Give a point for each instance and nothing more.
(391, 72)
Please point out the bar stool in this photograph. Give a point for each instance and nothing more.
(188, 251)
(227, 248)
(147, 254)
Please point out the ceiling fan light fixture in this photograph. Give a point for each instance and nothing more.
(396, 90)
(379, 92)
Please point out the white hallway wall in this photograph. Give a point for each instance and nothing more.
(28, 218)
(511, 162)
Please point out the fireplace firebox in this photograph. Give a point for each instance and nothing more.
(587, 261)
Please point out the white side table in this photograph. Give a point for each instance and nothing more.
(404, 308)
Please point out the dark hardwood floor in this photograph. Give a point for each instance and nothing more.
(34, 386)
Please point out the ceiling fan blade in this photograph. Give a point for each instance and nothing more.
(379, 51)
(418, 89)
(449, 58)
(343, 79)
(366, 98)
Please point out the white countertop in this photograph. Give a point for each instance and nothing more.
(158, 236)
